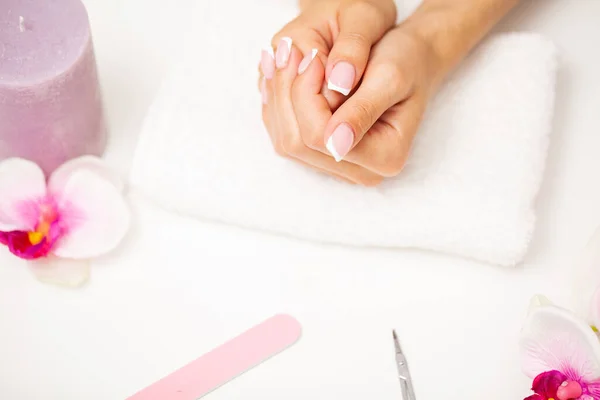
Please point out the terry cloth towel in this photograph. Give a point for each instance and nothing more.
(469, 186)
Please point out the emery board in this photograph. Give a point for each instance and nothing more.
(226, 362)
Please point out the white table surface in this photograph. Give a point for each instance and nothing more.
(178, 288)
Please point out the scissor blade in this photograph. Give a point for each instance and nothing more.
(396, 343)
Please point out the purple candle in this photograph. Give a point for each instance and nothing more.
(50, 102)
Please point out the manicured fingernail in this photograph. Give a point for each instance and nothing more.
(267, 62)
(306, 61)
(263, 91)
(342, 78)
(340, 142)
(283, 52)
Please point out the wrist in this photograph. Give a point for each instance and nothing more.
(452, 28)
(304, 4)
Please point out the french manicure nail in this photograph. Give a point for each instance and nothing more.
(263, 91)
(267, 62)
(340, 142)
(342, 78)
(306, 61)
(283, 52)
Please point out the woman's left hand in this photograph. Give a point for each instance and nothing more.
(370, 134)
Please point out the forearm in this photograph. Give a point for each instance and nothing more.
(303, 4)
(454, 27)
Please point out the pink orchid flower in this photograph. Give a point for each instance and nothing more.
(60, 223)
(561, 353)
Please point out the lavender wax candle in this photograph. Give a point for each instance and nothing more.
(50, 102)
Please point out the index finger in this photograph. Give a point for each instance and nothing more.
(306, 40)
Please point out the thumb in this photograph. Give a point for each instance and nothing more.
(348, 125)
(362, 23)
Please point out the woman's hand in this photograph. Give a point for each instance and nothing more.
(342, 32)
(375, 127)
(371, 133)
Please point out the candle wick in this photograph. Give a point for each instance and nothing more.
(22, 24)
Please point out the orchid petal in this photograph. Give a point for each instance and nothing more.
(556, 339)
(94, 216)
(61, 272)
(62, 174)
(22, 186)
(547, 383)
(596, 308)
(593, 390)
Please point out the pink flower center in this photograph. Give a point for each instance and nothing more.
(569, 390)
(38, 242)
(554, 385)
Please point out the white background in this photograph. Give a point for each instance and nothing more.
(178, 288)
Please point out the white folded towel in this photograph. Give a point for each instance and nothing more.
(469, 187)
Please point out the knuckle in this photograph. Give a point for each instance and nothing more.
(292, 145)
(313, 140)
(355, 42)
(366, 111)
(393, 74)
(266, 120)
(392, 162)
(370, 180)
(279, 149)
(261, 84)
(285, 144)
(368, 10)
(276, 39)
(389, 69)
(292, 29)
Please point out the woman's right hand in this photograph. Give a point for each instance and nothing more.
(341, 31)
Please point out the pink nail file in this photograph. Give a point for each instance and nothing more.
(226, 362)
